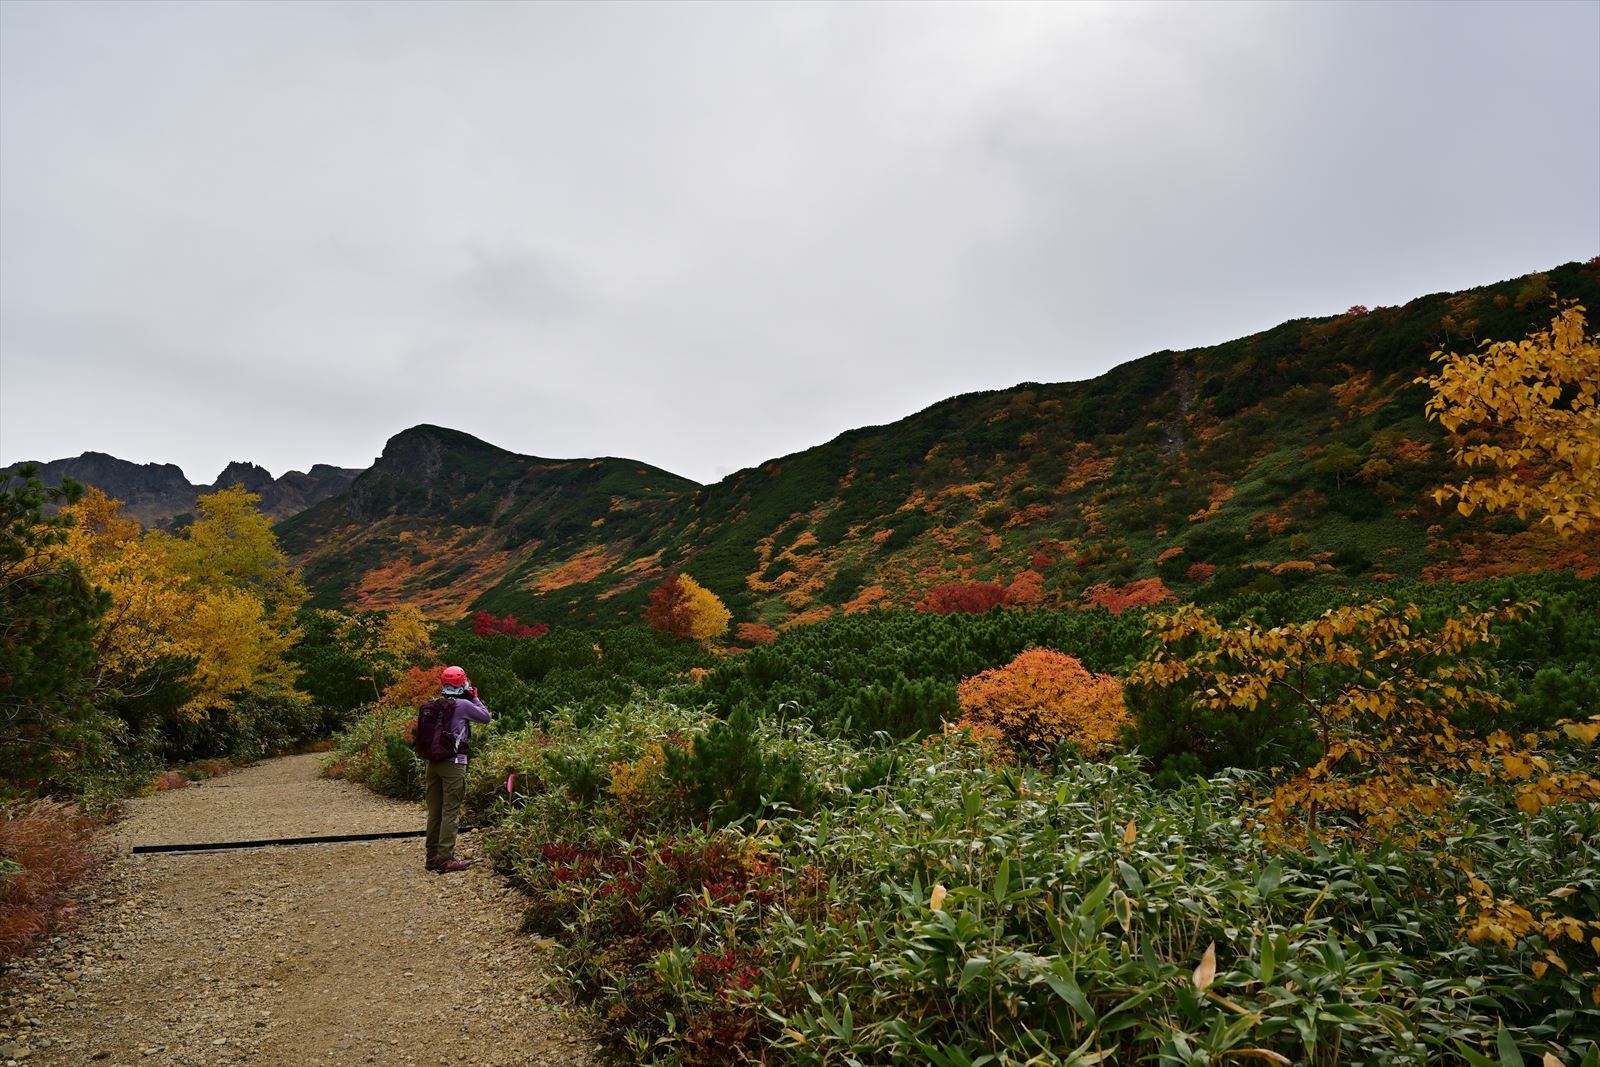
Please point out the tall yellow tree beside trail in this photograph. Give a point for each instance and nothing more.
(147, 599)
(220, 594)
(1539, 400)
(230, 552)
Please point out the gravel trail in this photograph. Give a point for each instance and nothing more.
(316, 954)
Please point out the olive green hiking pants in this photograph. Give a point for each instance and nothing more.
(447, 785)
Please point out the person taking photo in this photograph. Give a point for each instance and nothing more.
(443, 738)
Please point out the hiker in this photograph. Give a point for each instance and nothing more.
(446, 749)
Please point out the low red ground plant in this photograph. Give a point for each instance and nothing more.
(170, 780)
(45, 850)
(484, 624)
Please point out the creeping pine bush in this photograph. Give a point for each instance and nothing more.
(45, 850)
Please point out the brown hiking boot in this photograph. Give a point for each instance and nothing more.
(451, 865)
(432, 864)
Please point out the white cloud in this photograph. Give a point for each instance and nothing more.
(704, 235)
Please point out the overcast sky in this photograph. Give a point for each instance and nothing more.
(704, 235)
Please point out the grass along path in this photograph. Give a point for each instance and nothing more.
(320, 954)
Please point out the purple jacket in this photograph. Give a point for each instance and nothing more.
(468, 710)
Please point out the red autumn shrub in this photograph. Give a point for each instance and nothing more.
(971, 597)
(485, 624)
(45, 850)
(171, 780)
(1199, 572)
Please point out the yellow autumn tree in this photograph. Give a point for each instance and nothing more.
(708, 615)
(230, 551)
(147, 599)
(404, 637)
(219, 595)
(1539, 401)
(687, 610)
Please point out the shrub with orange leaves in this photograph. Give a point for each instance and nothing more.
(1221, 493)
(1025, 590)
(1144, 593)
(873, 596)
(973, 598)
(1043, 699)
(755, 633)
(413, 689)
(1200, 572)
(806, 618)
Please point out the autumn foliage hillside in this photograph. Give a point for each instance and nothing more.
(1298, 456)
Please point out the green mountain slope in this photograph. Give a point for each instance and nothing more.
(442, 516)
(1296, 454)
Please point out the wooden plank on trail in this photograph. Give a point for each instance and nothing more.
(321, 839)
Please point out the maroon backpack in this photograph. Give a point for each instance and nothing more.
(432, 739)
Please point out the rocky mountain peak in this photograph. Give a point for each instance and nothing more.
(252, 476)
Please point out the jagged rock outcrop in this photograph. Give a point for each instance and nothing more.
(158, 493)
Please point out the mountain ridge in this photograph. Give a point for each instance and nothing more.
(159, 494)
(1298, 453)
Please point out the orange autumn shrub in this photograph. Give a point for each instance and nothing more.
(755, 633)
(973, 598)
(1043, 699)
(413, 689)
(1144, 593)
(1026, 589)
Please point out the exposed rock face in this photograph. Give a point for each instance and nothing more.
(153, 493)
(249, 475)
(157, 493)
(412, 459)
(295, 491)
(290, 494)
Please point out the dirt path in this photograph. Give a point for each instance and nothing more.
(320, 954)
